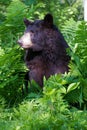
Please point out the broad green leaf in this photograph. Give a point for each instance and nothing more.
(63, 90)
(72, 86)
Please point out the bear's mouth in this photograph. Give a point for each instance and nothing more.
(31, 54)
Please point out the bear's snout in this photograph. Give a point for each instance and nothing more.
(19, 42)
(25, 41)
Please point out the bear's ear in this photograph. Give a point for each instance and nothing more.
(48, 20)
(27, 22)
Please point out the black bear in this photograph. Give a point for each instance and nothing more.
(45, 49)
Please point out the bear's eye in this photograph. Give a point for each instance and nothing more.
(32, 31)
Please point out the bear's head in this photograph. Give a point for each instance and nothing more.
(42, 36)
(34, 36)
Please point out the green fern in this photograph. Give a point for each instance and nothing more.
(14, 20)
(79, 62)
(12, 71)
(69, 31)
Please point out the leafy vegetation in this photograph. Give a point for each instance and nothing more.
(62, 104)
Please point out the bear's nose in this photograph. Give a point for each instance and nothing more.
(19, 42)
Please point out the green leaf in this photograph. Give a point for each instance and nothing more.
(72, 86)
(63, 90)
